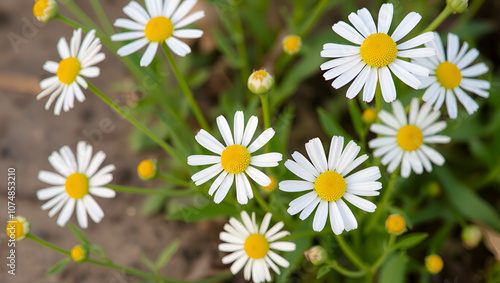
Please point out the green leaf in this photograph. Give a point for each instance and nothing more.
(224, 43)
(466, 201)
(393, 271)
(167, 254)
(153, 204)
(410, 241)
(330, 126)
(323, 271)
(204, 212)
(356, 118)
(58, 267)
(148, 262)
(79, 234)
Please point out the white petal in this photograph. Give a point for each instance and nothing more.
(399, 112)
(169, 7)
(136, 12)
(238, 127)
(232, 239)
(301, 202)
(261, 140)
(371, 85)
(154, 7)
(66, 212)
(206, 174)
(127, 35)
(149, 54)
(238, 252)
(225, 130)
(383, 130)
(451, 104)
(283, 246)
(299, 171)
(350, 152)
(132, 47)
(316, 152)
(278, 236)
(238, 265)
(387, 84)
(361, 203)
(347, 32)
(259, 177)
(336, 62)
(468, 58)
(81, 214)
(188, 33)
(336, 146)
(358, 23)
(295, 186)
(278, 259)
(183, 9)
(49, 192)
(178, 47)
(103, 192)
(437, 139)
(385, 18)
(51, 178)
(249, 130)
(470, 105)
(93, 209)
(366, 175)
(320, 216)
(196, 160)
(413, 68)
(407, 25)
(95, 163)
(333, 50)
(241, 191)
(209, 142)
(358, 161)
(265, 223)
(365, 15)
(348, 75)
(475, 70)
(309, 208)
(128, 24)
(416, 53)
(350, 222)
(224, 188)
(389, 119)
(266, 160)
(404, 75)
(56, 204)
(336, 220)
(193, 17)
(452, 47)
(305, 164)
(433, 155)
(359, 82)
(63, 48)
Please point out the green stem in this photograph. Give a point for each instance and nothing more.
(383, 202)
(136, 123)
(442, 16)
(101, 16)
(48, 245)
(265, 110)
(378, 101)
(381, 259)
(173, 180)
(240, 45)
(351, 255)
(187, 92)
(346, 272)
(318, 10)
(159, 192)
(80, 14)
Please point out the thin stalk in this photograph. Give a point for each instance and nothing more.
(318, 10)
(240, 45)
(383, 202)
(48, 245)
(173, 180)
(346, 272)
(388, 249)
(137, 124)
(187, 92)
(159, 192)
(378, 101)
(437, 21)
(264, 99)
(101, 16)
(80, 14)
(351, 255)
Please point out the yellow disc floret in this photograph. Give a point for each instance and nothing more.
(410, 137)
(378, 50)
(448, 75)
(256, 246)
(45, 10)
(18, 228)
(68, 70)
(235, 158)
(292, 44)
(369, 115)
(158, 29)
(146, 169)
(330, 186)
(434, 263)
(79, 253)
(395, 223)
(77, 185)
(39, 8)
(259, 75)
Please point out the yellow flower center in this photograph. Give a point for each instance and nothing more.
(16, 228)
(39, 8)
(158, 29)
(68, 70)
(434, 263)
(292, 44)
(448, 75)
(259, 75)
(256, 246)
(235, 159)
(77, 253)
(378, 50)
(272, 185)
(369, 115)
(410, 138)
(146, 169)
(77, 185)
(395, 223)
(330, 186)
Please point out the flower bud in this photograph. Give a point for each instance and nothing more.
(45, 10)
(79, 253)
(471, 236)
(260, 82)
(271, 186)
(395, 223)
(369, 115)
(147, 169)
(434, 263)
(316, 255)
(18, 228)
(433, 189)
(458, 6)
(291, 44)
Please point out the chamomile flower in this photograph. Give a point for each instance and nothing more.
(252, 247)
(375, 54)
(77, 62)
(45, 10)
(75, 184)
(404, 140)
(163, 21)
(234, 160)
(451, 74)
(328, 184)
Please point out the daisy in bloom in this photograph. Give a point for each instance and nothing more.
(404, 141)
(327, 184)
(375, 54)
(77, 62)
(234, 160)
(162, 22)
(76, 182)
(451, 74)
(252, 247)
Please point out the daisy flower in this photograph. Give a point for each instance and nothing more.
(76, 182)
(162, 22)
(252, 247)
(234, 160)
(77, 62)
(375, 54)
(451, 74)
(328, 184)
(404, 141)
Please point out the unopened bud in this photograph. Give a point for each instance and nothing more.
(458, 6)
(45, 10)
(260, 82)
(471, 236)
(316, 255)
